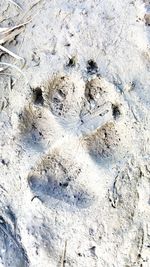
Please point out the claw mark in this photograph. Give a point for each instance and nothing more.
(114, 196)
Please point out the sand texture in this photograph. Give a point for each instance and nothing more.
(74, 133)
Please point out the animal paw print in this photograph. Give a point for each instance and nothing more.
(65, 113)
(56, 178)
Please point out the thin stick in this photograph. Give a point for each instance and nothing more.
(6, 34)
(64, 255)
(6, 31)
(27, 12)
(2, 30)
(3, 189)
(10, 53)
(15, 67)
(17, 5)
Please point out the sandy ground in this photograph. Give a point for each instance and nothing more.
(74, 128)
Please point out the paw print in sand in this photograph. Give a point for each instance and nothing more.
(73, 120)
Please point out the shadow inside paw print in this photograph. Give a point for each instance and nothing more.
(104, 142)
(29, 126)
(92, 67)
(61, 191)
(59, 178)
(63, 95)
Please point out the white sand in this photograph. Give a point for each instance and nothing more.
(74, 127)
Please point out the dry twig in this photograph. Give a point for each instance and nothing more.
(14, 3)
